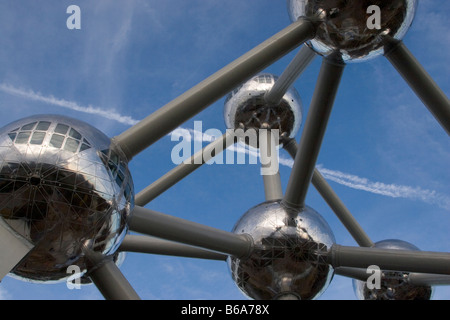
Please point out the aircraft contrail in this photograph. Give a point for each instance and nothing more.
(389, 190)
(31, 95)
(355, 182)
(345, 179)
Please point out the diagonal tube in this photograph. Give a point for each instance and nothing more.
(109, 280)
(172, 115)
(184, 169)
(341, 211)
(334, 202)
(419, 80)
(152, 245)
(300, 62)
(386, 259)
(314, 131)
(171, 228)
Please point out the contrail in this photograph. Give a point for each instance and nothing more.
(349, 180)
(31, 95)
(389, 190)
(345, 179)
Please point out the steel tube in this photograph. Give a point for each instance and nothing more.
(291, 146)
(300, 62)
(111, 282)
(334, 202)
(385, 259)
(341, 211)
(152, 245)
(420, 81)
(427, 279)
(270, 166)
(313, 133)
(184, 169)
(354, 273)
(171, 228)
(272, 187)
(173, 114)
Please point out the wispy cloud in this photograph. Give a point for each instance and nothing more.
(388, 190)
(35, 96)
(4, 295)
(346, 179)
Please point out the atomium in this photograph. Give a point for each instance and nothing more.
(343, 25)
(395, 285)
(286, 261)
(246, 108)
(66, 189)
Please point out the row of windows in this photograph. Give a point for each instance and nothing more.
(67, 138)
(264, 78)
(63, 137)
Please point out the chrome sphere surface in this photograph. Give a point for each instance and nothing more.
(346, 25)
(394, 284)
(287, 260)
(65, 188)
(246, 108)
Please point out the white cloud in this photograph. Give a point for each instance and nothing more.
(4, 295)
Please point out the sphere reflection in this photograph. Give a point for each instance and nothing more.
(246, 108)
(286, 261)
(394, 284)
(64, 187)
(344, 24)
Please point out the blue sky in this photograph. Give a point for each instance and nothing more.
(383, 153)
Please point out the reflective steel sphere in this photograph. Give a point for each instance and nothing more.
(246, 108)
(66, 188)
(344, 24)
(394, 284)
(287, 260)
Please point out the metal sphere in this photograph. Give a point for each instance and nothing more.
(394, 284)
(66, 188)
(345, 25)
(246, 108)
(286, 261)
